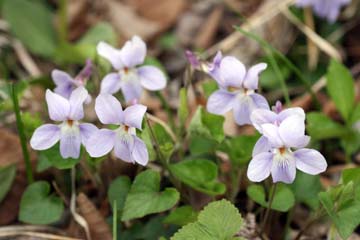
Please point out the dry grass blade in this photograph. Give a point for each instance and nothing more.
(25, 59)
(313, 51)
(42, 232)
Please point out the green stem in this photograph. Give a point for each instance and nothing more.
(20, 127)
(167, 108)
(114, 221)
(63, 24)
(268, 209)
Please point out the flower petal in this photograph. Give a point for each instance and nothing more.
(70, 141)
(292, 132)
(289, 112)
(133, 52)
(262, 145)
(77, 99)
(139, 152)
(111, 83)
(86, 131)
(271, 132)
(244, 105)
(259, 167)
(259, 101)
(131, 90)
(214, 68)
(251, 80)
(151, 78)
(111, 54)
(133, 115)
(45, 137)
(220, 102)
(310, 161)
(262, 116)
(284, 170)
(232, 71)
(64, 90)
(101, 142)
(58, 106)
(108, 109)
(61, 78)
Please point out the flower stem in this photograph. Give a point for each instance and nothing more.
(20, 128)
(63, 25)
(114, 221)
(267, 213)
(167, 109)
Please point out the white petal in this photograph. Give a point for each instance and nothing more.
(86, 131)
(133, 115)
(122, 149)
(271, 132)
(259, 167)
(310, 161)
(70, 141)
(45, 137)
(139, 152)
(101, 143)
(252, 76)
(108, 109)
(111, 54)
(289, 112)
(262, 116)
(111, 83)
(262, 145)
(151, 78)
(284, 170)
(133, 52)
(58, 106)
(220, 102)
(77, 99)
(232, 71)
(292, 131)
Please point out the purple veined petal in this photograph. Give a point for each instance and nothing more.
(151, 78)
(64, 90)
(133, 115)
(283, 170)
(214, 69)
(77, 99)
(111, 83)
(251, 80)
(271, 132)
(232, 72)
(133, 52)
(290, 112)
(111, 54)
(86, 131)
(108, 109)
(70, 141)
(61, 78)
(259, 101)
(45, 137)
(310, 161)
(260, 166)
(262, 116)
(122, 149)
(292, 132)
(139, 152)
(58, 106)
(131, 90)
(220, 102)
(244, 105)
(101, 143)
(262, 145)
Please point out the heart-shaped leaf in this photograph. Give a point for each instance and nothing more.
(52, 157)
(181, 216)
(38, 207)
(199, 174)
(118, 191)
(7, 175)
(144, 197)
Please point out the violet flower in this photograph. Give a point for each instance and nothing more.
(130, 78)
(237, 88)
(328, 9)
(65, 84)
(281, 160)
(70, 132)
(127, 146)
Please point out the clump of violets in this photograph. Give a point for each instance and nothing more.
(281, 150)
(65, 84)
(237, 88)
(70, 132)
(127, 146)
(328, 9)
(129, 76)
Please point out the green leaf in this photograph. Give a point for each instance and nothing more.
(118, 190)
(144, 197)
(219, 220)
(199, 174)
(7, 176)
(320, 126)
(53, 157)
(183, 111)
(200, 145)
(209, 87)
(181, 216)
(340, 86)
(38, 207)
(355, 116)
(342, 207)
(102, 31)
(352, 175)
(306, 189)
(284, 198)
(269, 79)
(31, 22)
(207, 125)
(67, 53)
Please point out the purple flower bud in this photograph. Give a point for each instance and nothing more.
(193, 59)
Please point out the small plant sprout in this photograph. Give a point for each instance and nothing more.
(130, 78)
(328, 9)
(237, 89)
(127, 146)
(283, 131)
(70, 132)
(65, 84)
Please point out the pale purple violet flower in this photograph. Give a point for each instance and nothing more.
(237, 88)
(127, 146)
(65, 84)
(280, 159)
(70, 132)
(130, 78)
(329, 9)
